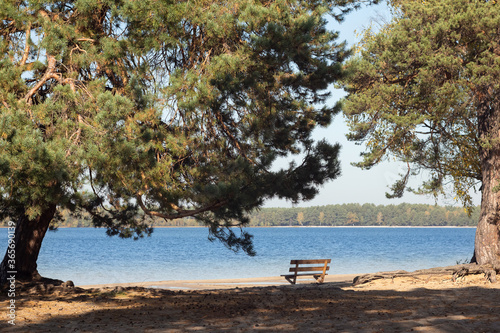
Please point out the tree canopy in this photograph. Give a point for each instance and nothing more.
(171, 108)
(425, 90)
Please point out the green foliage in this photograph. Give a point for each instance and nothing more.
(421, 91)
(168, 108)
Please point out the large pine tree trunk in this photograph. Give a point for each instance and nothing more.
(28, 239)
(487, 243)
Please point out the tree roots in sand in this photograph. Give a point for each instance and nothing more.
(455, 273)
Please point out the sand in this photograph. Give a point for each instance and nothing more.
(426, 304)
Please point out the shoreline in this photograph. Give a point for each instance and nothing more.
(340, 280)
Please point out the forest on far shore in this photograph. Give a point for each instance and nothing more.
(366, 215)
(330, 215)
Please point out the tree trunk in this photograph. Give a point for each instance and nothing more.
(28, 239)
(487, 243)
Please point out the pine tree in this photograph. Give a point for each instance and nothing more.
(168, 108)
(426, 90)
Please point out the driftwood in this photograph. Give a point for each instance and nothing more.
(455, 273)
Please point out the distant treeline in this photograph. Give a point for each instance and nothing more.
(366, 215)
(331, 215)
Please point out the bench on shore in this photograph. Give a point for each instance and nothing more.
(304, 268)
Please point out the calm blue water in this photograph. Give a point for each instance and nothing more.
(88, 256)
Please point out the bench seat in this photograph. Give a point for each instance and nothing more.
(302, 268)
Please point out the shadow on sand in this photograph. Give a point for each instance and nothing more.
(300, 308)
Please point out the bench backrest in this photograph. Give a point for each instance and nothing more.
(304, 265)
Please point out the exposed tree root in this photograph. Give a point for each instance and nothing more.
(455, 272)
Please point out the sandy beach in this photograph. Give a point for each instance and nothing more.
(424, 304)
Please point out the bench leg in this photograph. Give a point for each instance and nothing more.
(319, 278)
(292, 279)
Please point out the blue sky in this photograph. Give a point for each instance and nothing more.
(356, 185)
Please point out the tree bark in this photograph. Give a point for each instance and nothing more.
(486, 248)
(28, 239)
(487, 242)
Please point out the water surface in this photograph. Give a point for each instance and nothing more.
(88, 256)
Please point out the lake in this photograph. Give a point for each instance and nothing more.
(88, 256)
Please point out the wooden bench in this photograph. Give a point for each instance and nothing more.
(304, 268)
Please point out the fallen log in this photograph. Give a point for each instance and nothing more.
(455, 272)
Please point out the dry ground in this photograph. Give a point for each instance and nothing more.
(426, 304)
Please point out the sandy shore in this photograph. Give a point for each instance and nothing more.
(426, 304)
(340, 280)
